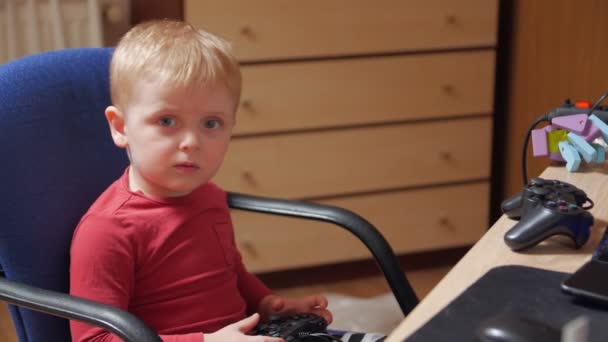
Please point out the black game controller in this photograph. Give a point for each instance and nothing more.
(547, 208)
(302, 327)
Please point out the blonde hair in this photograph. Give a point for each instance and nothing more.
(175, 53)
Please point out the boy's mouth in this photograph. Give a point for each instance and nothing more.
(187, 167)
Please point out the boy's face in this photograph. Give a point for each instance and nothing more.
(176, 138)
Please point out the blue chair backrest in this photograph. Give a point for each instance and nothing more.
(57, 157)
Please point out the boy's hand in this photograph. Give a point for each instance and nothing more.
(237, 332)
(278, 305)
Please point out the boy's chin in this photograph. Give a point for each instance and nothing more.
(182, 190)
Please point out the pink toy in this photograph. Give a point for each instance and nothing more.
(576, 123)
(539, 143)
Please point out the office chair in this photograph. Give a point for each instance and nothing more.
(57, 158)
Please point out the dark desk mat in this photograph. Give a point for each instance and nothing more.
(527, 291)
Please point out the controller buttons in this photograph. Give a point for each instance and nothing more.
(540, 191)
(537, 181)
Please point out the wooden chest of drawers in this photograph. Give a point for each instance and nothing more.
(383, 107)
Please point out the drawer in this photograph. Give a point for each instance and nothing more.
(293, 96)
(411, 221)
(325, 163)
(278, 29)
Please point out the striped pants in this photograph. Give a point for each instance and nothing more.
(361, 337)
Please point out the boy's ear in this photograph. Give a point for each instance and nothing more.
(116, 120)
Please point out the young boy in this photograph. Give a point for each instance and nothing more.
(159, 241)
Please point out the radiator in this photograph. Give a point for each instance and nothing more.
(32, 26)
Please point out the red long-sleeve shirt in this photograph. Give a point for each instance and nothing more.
(173, 263)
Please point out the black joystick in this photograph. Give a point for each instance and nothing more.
(546, 208)
(302, 327)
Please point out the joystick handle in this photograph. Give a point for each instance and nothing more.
(512, 206)
(542, 223)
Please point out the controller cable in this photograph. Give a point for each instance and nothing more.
(317, 336)
(597, 103)
(591, 204)
(547, 117)
(543, 118)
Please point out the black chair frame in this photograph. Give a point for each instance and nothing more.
(131, 329)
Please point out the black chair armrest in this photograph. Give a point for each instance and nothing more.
(362, 229)
(119, 322)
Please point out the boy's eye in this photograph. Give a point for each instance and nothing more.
(212, 124)
(166, 122)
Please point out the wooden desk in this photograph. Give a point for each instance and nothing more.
(555, 254)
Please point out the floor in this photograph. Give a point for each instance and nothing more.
(366, 304)
(365, 296)
(422, 280)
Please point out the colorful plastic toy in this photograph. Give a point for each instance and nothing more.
(572, 138)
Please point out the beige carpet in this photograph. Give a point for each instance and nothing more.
(379, 314)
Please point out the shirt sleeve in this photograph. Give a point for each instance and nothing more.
(252, 289)
(102, 269)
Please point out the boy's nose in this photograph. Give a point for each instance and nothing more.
(190, 141)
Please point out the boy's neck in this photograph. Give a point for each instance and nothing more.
(135, 187)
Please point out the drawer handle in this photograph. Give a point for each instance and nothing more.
(249, 178)
(451, 19)
(445, 222)
(247, 105)
(250, 249)
(247, 31)
(445, 156)
(447, 89)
